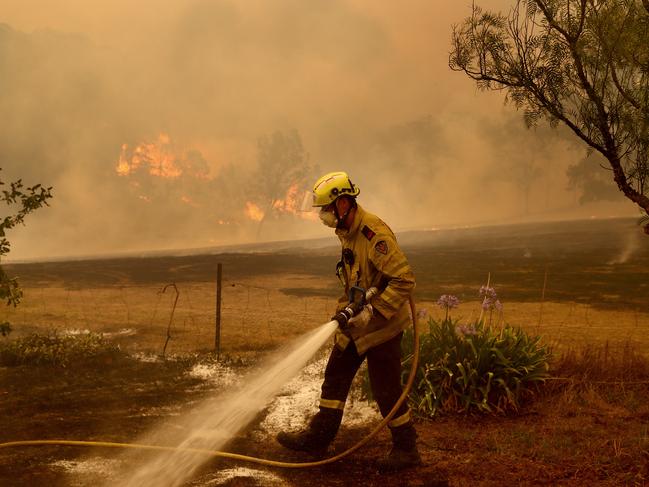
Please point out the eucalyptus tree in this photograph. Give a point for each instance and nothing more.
(582, 63)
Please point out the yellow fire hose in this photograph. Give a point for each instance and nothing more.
(246, 458)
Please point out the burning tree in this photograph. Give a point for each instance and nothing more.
(22, 201)
(583, 63)
(170, 183)
(167, 180)
(283, 167)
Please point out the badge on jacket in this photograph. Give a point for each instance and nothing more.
(382, 247)
(367, 231)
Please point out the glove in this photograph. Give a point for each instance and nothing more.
(360, 320)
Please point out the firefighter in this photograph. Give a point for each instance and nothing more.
(370, 257)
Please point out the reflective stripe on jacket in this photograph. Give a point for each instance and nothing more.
(372, 257)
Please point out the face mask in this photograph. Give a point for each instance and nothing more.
(328, 218)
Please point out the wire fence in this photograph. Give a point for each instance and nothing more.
(258, 314)
(172, 317)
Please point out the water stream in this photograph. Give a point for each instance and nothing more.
(216, 420)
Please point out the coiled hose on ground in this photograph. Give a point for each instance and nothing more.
(246, 458)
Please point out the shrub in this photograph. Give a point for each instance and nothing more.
(465, 368)
(58, 350)
(21, 200)
(5, 328)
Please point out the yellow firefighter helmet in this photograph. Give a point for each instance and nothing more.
(330, 186)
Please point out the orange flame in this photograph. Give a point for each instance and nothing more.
(158, 157)
(290, 204)
(293, 205)
(254, 212)
(123, 166)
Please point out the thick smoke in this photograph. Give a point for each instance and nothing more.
(180, 94)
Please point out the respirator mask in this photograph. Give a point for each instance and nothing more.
(329, 218)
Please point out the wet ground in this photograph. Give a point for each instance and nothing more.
(562, 439)
(571, 436)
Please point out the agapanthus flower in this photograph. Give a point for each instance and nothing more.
(488, 304)
(422, 313)
(448, 301)
(488, 292)
(466, 330)
(490, 299)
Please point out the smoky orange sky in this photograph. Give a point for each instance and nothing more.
(366, 85)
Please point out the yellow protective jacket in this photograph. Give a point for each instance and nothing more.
(372, 257)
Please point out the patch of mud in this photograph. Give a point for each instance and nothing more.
(96, 466)
(122, 332)
(108, 334)
(75, 332)
(161, 411)
(241, 476)
(215, 373)
(147, 357)
(299, 399)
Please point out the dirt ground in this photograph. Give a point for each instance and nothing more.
(573, 434)
(562, 439)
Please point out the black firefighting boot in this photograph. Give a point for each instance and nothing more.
(319, 434)
(404, 452)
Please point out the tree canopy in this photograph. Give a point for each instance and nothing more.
(22, 201)
(583, 63)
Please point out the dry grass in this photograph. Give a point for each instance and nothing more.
(565, 326)
(599, 365)
(255, 314)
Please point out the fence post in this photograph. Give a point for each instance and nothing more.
(217, 336)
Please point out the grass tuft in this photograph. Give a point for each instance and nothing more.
(58, 350)
(592, 364)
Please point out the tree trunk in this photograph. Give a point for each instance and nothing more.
(623, 184)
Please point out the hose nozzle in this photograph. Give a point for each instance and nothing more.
(358, 298)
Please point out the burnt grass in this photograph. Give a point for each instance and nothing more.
(585, 430)
(575, 255)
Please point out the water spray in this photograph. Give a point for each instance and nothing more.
(358, 299)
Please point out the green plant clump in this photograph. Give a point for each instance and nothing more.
(5, 328)
(473, 368)
(58, 350)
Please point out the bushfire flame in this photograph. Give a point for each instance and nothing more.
(254, 212)
(161, 159)
(158, 156)
(289, 204)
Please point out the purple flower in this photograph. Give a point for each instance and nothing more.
(489, 304)
(466, 330)
(448, 301)
(490, 299)
(488, 292)
(422, 313)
